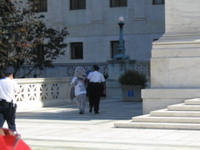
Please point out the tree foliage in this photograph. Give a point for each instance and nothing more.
(26, 39)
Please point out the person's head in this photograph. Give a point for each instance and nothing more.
(9, 70)
(95, 67)
(80, 73)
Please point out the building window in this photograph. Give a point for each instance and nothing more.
(77, 50)
(39, 52)
(77, 4)
(42, 6)
(114, 48)
(158, 2)
(118, 3)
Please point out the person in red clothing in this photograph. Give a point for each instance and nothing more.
(11, 141)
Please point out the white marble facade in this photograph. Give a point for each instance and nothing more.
(97, 25)
(175, 60)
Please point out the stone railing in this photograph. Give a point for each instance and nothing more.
(60, 70)
(41, 92)
(67, 70)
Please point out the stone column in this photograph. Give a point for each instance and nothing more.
(175, 62)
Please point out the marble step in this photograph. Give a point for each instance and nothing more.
(155, 125)
(166, 113)
(179, 116)
(148, 118)
(195, 101)
(183, 107)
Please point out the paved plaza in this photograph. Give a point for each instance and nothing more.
(63, 128)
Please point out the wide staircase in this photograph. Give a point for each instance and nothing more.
(179, 116)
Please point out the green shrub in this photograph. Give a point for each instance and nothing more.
(132, 77)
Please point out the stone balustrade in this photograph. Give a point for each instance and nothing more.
(42, 92)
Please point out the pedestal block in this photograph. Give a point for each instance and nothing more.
(131, 93)
(175, 61)
(115, 69)
(155, 99)
(175, 73)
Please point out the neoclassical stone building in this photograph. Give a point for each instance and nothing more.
(94, 31)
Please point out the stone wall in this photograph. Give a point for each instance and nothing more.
(97, 25)
(42, 92)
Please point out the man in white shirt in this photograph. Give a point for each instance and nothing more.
(8, 88)
(95, 88)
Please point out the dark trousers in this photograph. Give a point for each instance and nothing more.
(94, 95)
(7, 113)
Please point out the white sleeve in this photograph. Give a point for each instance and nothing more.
(102, 78)
(16, 86)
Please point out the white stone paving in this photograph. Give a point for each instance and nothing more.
(62, 128)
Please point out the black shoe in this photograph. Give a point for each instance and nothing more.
(81, 112)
